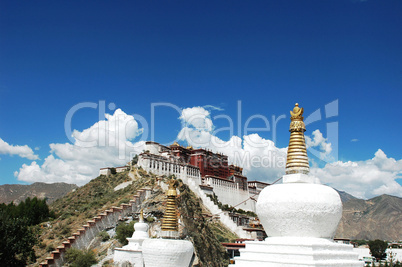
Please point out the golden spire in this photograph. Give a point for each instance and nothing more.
(170, 220)
(142, 215)
(297, 160)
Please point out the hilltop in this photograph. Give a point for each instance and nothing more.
(19, 192)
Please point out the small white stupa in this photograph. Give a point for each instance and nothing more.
(168, 251)
(299, 216)
(132, 252)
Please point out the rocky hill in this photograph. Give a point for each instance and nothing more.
(376, 218)
(19, 192)
(345, 197)
(104, 192)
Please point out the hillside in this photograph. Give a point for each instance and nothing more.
(75, 208)
(376, 218)
(102, 193)
(19, 192)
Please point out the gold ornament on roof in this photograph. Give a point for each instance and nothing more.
(170, 219)
(175, 144)
(297, 160)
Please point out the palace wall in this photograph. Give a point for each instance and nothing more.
(228, 192)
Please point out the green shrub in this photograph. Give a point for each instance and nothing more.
(80, 258)
(104, 236)
(124, 230)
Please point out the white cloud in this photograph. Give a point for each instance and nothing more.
(211, 107)
(262, 160)
(106, 143)
(354, 140)
(197, 117)
(318, 141)
(22, 151)
(364, 179)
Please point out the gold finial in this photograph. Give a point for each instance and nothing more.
(170, 220)
(190, 147)
(142, 215)
(297, 160)
(297, 113)
(175, 144)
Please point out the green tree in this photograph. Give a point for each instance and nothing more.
(33, 210)
(80, 258)
(124, 230)
(378, 248)
(17, 240)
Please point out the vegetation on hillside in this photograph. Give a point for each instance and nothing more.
(124, 230)
(208, 248)
(80, 258)
(229, 208)
(73, 210)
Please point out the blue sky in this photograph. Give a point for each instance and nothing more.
(265, 54)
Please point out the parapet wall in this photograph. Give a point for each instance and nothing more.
(105, 220)
(160, 166)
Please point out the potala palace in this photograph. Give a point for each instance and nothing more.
(209, 170)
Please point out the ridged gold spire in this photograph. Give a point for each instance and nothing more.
(297, 160)
(170, 220)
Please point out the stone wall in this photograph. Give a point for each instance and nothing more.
(105, 220)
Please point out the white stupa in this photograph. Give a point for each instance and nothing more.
(299, 216)
(168, 251)
(132, 252)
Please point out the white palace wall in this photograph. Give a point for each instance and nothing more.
(227, 191)
(162, 166)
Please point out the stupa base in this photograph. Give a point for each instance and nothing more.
(296, 251)
(124, 255)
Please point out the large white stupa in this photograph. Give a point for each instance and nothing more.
(299, 216)
(132, 252)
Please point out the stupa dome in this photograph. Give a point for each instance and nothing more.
(299, 210)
